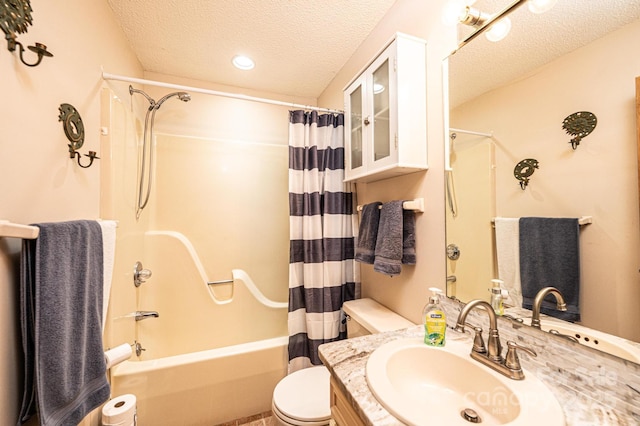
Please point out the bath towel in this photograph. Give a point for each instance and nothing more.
(388, 253)
(408, 237)
(550, 257)
(108, 254)
(508, 256)
(368, 233)
(61, 312)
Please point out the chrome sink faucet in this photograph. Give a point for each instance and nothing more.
(491, 356)
(537, 304)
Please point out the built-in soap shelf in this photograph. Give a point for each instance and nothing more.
(15, 230)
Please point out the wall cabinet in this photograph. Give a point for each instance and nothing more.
(386, 113)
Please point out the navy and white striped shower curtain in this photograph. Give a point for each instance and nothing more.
(321, 253)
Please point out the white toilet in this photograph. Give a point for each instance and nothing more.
(302, 398)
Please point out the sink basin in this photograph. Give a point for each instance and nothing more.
(421, 385)
(595, 339)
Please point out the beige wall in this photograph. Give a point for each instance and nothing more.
(38, 181)
(408, 292)
(598, 179)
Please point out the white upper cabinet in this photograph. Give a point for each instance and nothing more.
(386, 113)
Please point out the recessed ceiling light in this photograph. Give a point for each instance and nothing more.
(243, 62)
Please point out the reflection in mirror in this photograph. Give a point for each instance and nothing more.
(507, 102)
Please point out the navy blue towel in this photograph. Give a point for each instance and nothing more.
(550, 257)
(368, 233)
(61, 287)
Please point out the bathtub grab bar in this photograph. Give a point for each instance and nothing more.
(238, 274)
(219, 282)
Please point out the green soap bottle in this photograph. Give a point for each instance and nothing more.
(434, 320)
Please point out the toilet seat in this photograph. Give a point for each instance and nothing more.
(302, 398)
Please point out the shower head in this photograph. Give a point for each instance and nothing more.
(183, 96)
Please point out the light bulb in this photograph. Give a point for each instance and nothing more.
(540, 6)
(453, 12)
(498, 30)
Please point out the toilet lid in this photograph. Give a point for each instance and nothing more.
(304, 395)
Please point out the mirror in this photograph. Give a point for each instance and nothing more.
(507, 103)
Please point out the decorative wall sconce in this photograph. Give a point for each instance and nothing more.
(524, 170)
(15, 16)
(74, 130)
(579, 125)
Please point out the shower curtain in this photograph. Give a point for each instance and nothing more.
(321, 253)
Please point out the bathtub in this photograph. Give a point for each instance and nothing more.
(204, 388)
(214, 354)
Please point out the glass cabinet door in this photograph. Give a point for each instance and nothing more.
(356, 107)
(381, 133)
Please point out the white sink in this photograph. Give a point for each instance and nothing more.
(594, 339)
(422, 385)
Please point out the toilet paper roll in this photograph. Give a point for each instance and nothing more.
(117, 355)
(120, 411)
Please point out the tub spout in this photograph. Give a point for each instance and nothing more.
(140, 315)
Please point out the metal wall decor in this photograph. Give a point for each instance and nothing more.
(15, 16)
(74, 130)
(524, 169)
(579, 125)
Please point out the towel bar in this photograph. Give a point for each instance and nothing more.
(583, 220)
(14, 230)
(416, 205)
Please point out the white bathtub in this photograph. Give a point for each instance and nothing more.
(214, 354)
(204, 388)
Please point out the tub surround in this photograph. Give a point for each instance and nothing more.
(591, 386)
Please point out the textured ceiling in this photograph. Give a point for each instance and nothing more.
(298, 46)
(534, 40)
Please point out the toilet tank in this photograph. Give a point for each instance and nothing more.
(366, 316)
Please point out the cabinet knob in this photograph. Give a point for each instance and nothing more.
(366, 121)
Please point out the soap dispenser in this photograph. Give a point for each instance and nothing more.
(434, 320)
(497, 296)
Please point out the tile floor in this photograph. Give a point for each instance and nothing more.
(262, 419)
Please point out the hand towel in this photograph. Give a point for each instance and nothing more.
(368, 233)
(108, 254)
(388, 253)
(550, 257)
(61, 312)
(508, 255)
(408, 237)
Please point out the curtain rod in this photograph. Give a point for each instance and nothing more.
(107, 76)
(470, 132)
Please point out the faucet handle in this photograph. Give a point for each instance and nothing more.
(478, 341)
(511, 360)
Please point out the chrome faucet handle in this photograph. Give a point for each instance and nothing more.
(512, 361)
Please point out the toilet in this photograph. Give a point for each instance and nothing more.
(302, 398)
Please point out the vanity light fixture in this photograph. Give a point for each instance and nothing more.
(15, 16)
(495, 26)
(496, 30)
(243, 62)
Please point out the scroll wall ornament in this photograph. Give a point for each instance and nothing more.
(579, 125)
(74, 130)
(524, 169)
(15, 17)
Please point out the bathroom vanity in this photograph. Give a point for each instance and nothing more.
(592, 387)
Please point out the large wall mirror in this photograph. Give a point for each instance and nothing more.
(507, 103)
